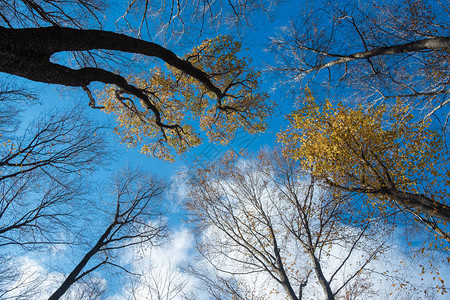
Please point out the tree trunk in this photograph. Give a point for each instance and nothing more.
(73, 276)
(322, 280)
(423, 204)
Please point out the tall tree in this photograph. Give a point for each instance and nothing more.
(43, 169)
(374, 50)
(264, 216)
(226, 89)
(376, 152)
(134, 217)
(41, 173)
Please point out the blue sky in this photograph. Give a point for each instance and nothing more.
(181, 251)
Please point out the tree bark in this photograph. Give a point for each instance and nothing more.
(26, 53)
(321, 277)
(73, 276)
(425, 44)
(423, 204)
(284, 279)
(418, 202)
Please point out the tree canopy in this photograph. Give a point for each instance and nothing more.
(264, 215)
(392, 49)
(375, 152)
(215, 85)
(339, 212)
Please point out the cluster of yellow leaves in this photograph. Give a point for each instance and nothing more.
(366, 148)
(181, 99)
(135, 124)
(241, 106)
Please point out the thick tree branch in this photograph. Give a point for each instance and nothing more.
(27, 52)
(418, 202)
(426, 44)
(423, 204)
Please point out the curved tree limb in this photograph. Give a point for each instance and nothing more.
(425, 44)
(412, 201)
(27, 52)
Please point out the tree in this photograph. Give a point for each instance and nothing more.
(183, 20)
(41, 175)
(158, 283)
(158, 275)
(226, 89)
(376, 152)
(392, 49)
(264, 217)
(217, 285)
(58, 141)
(164, 19)
(43, 169)
(15, 284)
(30, 13)
(134, 218)
(12, 101)
(237, 107)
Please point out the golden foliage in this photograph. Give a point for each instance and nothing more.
(367, 149)
(180, 99)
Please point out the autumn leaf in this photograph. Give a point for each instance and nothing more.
(177, 99)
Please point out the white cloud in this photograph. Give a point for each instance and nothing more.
(238, 202)
(31, 280)
(159, 271)
(176, 192)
